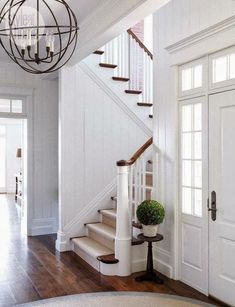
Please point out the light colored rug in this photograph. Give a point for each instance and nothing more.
(119, 299)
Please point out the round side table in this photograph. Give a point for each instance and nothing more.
(150, 275)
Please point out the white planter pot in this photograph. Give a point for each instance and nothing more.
(150, 230)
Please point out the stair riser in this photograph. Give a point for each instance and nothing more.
(149, 180)
(109, 221)
(101, 239)
(147, 195)
(90, 260)
(149, 167)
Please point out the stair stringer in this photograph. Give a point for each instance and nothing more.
(116, 90)
(89, 214)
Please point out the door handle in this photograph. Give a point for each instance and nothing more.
(213, 208)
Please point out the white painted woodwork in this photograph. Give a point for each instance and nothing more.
(108, 20)
(178, 21)
(42, 114)
(222, 178)
(95, 132)
(132, 62)
(123, 223)
(116, 90)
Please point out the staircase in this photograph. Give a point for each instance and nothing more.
(109, 243)
(125, 66)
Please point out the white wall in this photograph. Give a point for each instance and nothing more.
(94, 133)
(43, 208)
(175, 22)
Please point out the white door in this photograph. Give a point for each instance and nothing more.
(222, 181)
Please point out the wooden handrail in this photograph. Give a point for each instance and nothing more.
(140, 43)
(136, 155)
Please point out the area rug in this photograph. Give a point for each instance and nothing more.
(119, 299)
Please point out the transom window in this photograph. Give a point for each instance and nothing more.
(11, 105)
(223, 68)
(191, 158)
(191, 78)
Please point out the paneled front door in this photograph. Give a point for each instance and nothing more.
(222, 196)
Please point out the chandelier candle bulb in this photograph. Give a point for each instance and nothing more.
(52, 44)
(29, 38)
(48, 42)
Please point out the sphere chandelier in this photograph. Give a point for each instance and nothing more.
(38, 35)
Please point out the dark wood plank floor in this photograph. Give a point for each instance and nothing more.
(31, 269)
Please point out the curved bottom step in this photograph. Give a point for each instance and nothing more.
(89, 250)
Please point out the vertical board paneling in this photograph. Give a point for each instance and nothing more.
(45, 136)
(109, 135)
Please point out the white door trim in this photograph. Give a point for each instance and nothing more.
(28, 95)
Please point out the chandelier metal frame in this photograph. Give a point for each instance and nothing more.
(60, 39)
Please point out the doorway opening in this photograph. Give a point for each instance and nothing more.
(13, 173)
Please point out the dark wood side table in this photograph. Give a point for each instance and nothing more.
(150, 275)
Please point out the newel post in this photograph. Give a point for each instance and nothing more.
(123, 223)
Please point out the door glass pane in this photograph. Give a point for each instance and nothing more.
(197, 145)
(2, 163)
(197, 76)
(198, 174)
(220, 69)
(198, 116)
(2, 130)
(187, 173)
(5, 105)
(187, 79)
(187, 200)
(16, 106)
(187, 118)
(232, 66)
(187, 146)
(198, 202)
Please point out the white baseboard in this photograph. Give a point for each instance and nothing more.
(62, 243)
(159, 265)
(43, 227)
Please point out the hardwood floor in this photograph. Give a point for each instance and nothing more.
(31, 269)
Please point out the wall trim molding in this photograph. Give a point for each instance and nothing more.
(43, 226)
(159, 265)
(75, 225)
(199, 36)
(86, 69)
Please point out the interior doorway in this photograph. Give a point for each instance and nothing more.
(13, 169)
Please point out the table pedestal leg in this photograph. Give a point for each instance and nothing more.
(150, 275)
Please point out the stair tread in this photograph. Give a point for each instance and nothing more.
(106, 65)
(137, 92)
(103, 230)
(112, 213)
(92, 247)
(108, 259)
(144, 104)
(123, 79)
(99, 52)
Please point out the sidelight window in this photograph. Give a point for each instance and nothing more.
(191, 158)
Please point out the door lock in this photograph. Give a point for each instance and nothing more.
(213, 209)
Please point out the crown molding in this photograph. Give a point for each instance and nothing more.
(202, 35)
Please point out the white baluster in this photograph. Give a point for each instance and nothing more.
(123, 227)
(143, 177)
(131, 174)
(136, 188)
(139, 181)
